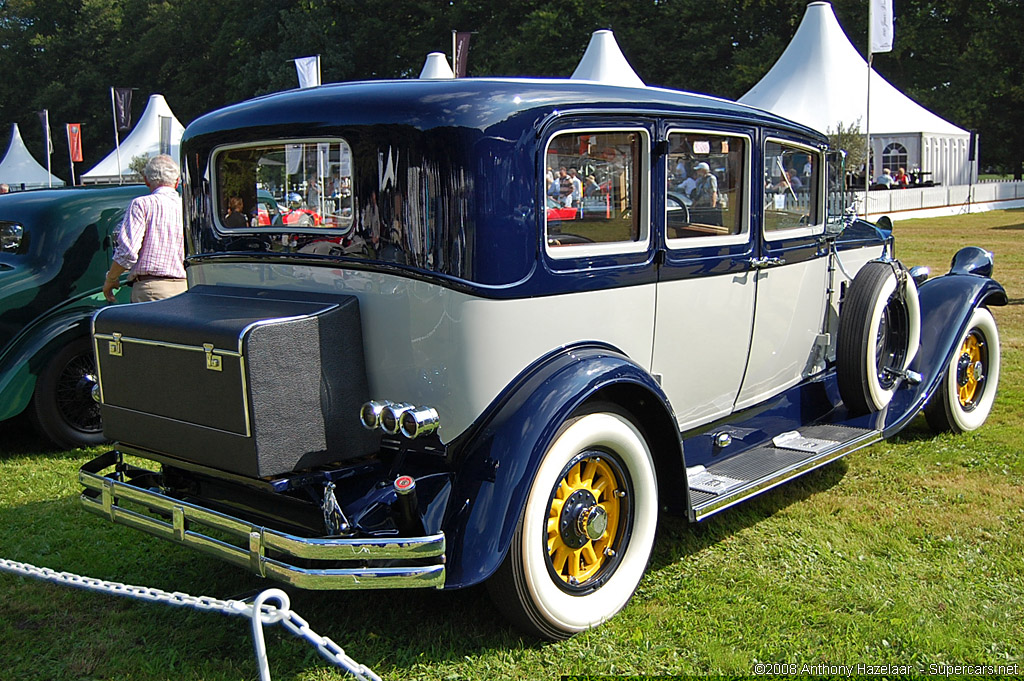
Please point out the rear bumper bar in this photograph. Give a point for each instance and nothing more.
(365, 563)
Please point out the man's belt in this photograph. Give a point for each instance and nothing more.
(153, 277)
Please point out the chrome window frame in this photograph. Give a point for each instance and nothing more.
(686, 242)
(212, 181)
(795, 232)
(643, 165)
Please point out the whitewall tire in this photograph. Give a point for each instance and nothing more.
(586, 533)
(965, 396)
(879, 336)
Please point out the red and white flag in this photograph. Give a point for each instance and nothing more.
(75, 142)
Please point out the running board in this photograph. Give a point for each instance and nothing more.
(757, 470)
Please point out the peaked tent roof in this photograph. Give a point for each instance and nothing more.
(144, 139)
(821, 80)
(20, 167)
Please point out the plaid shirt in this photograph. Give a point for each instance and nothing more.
(152, 237)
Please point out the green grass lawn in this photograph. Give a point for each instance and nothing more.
(908, 552)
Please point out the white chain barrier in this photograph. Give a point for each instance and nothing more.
(261, 611)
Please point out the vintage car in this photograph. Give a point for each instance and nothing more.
(55, 249)
(479, 399)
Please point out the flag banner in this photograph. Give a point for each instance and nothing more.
(461, 53)
(122, 107)
(308, 69)
(880, 25)
(293, 154)
(165, 134)
(44, 118)
(75, 142)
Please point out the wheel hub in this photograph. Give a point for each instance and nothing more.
(592, 522)
(574, 523)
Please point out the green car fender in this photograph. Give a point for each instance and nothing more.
(28, 354)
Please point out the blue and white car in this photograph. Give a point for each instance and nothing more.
(488, 393)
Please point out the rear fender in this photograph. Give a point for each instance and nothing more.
(496, 460)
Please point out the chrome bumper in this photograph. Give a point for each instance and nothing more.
(247, 545)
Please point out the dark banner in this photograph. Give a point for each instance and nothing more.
(461, 53)
(123, 107)
(44, 118)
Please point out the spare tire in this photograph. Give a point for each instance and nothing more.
(879, 334)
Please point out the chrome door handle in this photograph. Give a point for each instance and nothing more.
(763, 263)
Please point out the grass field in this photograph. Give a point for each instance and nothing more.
(908, 553)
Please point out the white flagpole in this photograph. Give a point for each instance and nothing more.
(867, 137)
(71, 159)
(117, 138)
(49, 150)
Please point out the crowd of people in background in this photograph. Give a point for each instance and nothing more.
(569, 188)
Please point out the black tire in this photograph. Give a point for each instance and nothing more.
(965, 395)
(585, 536)
(878, 336)
(62, 409)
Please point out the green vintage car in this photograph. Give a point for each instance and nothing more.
(55, 249)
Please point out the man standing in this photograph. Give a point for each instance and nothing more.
(150, 245)
(705, 193)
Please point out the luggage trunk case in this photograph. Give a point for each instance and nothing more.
(249, 381)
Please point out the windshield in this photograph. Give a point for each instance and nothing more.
(281, 185)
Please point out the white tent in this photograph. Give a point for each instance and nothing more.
(20, 170)
(157, 132)
(821, 81)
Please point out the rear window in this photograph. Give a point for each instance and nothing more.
(285, 186)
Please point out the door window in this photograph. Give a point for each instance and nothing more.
(705, 187)
(791, 186)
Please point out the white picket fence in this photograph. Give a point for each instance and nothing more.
(944, 200)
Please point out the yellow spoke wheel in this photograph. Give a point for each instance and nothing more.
(965, 395)
(970, 370)
(585, 518)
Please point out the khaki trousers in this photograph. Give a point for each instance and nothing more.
(157, 289)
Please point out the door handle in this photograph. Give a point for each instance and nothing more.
(764, 263)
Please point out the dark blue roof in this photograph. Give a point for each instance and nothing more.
(467, 102)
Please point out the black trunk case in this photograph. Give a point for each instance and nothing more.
(254, 382)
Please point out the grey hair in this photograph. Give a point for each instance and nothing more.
(161, 170)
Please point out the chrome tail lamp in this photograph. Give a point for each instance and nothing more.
(399, 417)
(418, 421)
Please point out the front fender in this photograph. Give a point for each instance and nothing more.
(498, 457)
(24, 358)
(947, 303)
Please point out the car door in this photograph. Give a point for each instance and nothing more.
(705, 297)
(787, 344)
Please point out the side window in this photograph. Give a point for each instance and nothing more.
(791, 186)
(594, 189)
(705, 191)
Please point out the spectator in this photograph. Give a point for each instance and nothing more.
(706, 191)
(901, 178)
(150, 245)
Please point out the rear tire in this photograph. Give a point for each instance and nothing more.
(63, 410)
(965, 396)
(879, 333)
(585, 536)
